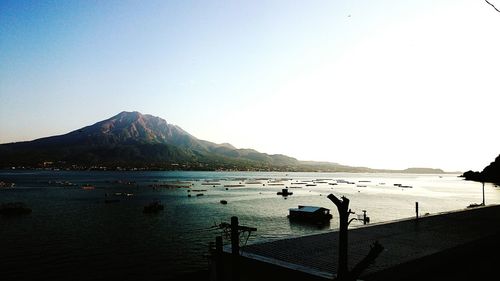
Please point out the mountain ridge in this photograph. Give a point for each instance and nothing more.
(138, 139)
(133, 139)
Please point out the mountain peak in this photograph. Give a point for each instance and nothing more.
(131, 116)
(129, 113)
(134, 127)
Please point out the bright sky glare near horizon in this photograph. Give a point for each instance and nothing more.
(382, 84)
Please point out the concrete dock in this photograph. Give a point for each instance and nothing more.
(455, 244)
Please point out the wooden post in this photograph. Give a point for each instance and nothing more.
(364, 216)
(235, 248)
(343, 208)
(219, 267)
(343, 273)
(416, 209)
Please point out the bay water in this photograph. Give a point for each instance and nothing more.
(73, 234)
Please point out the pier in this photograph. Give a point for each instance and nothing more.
(463, 245)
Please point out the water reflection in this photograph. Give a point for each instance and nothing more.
(300, 226)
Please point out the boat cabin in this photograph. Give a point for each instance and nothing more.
(310, 213)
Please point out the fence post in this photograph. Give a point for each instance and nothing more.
(235, 248)
(219, 268)
(416, 209)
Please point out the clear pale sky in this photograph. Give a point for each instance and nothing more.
(383, 84)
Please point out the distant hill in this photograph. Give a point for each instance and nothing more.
(423, 171)
(490, 173)
(134, 140)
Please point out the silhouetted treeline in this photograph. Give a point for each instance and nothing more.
(490, 173)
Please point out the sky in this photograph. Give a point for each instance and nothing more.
(380, 84)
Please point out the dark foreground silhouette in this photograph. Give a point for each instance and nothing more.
(490, 173)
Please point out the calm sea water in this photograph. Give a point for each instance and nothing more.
(72, 234)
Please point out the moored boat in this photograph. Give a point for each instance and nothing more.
(284, 192)
(88, 187)
(311, 214)
(4, 184)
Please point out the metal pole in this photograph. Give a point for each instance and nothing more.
(483, 193)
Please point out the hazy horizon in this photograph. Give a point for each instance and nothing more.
(380, 84)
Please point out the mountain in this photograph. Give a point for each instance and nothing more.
(134, 140)
(423, 171)
(139, 140)
(490, 173)
(124, 128)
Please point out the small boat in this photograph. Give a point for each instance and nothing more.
(153, 207)
(223, 202)
(199, 194)
(109, 199)
(88, 187)
(311, 214)
(4, 184)
(474, 205)
(284, 192)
